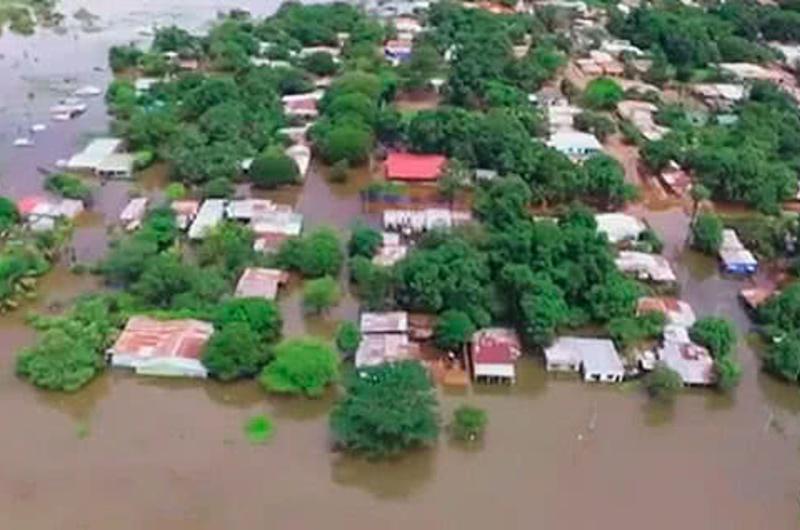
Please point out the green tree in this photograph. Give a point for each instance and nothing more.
(469, 423)
(783, 357)
(453, 180)
(321, 294)
(728, 373)
(273, 169)
(9, 216)
(663, 383)
(349, 142)
(229, 247)
(301, 366)
(68, 186)
(699, 194)
(453, 329)
(364, 240)
(320, 63)
(373, 282)
(715, 333)
(175, 191)
(603, 93)
(316, 254)
(235, 352)
(220, 188)
(262, 316)
(348, 337)
(60, 361)
(386, 409)
(707, 233)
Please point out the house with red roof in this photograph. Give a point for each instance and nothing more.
(413, 167)
(162, 347)
(494, 354)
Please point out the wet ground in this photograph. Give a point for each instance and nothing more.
(132, 453)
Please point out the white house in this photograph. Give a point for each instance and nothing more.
(597, 359)
(644, 266)
(575, 144)
(210, 215)
(619, 227)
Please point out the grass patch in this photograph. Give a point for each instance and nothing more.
(259, 429)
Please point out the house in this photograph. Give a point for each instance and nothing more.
(162, 347)
(398, 50)
(692, 362)
(418, 221)
(414, 167)
(618, 47)
(675, 179)
(209, 216)
(247, 209)
(256, 282)
(391, 250)
(133, 213)
(619, 227)
(596, 358)
(790, 53)
(296, 134)
(302, 105)
(69, 208)
(733, 255)
(378, 348)
(754, 297)
(94, 154)
(645, 266)
(561, 117)
(676, 311)
(281, 221)
(484, 175)
(575, 144)
(407, 25)
(301, 154)
(185, 212)
(116, 166)
(719, 96)
(640, 115)
(311, 50)
(145, 84)
(387, 322)
(494, 354)
(269, 243)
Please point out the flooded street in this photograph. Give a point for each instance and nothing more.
(128, 453)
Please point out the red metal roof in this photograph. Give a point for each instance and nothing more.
(495, 346)
(147, 337)
(27, 205)
(409, 166)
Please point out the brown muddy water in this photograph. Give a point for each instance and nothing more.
(132, 453)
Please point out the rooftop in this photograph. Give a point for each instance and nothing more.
(414, 167)
(388, 322)
(619, 226)
(676, 311)
(693, 362)
(646, 266)
(260, 283)
(379, 348)
(495, 346)
(595, 355)
(147, 337)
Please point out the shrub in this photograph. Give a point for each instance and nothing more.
(469, 423)
(234, 352)
(321, 294)
(707, 233)
(663, 383)
(348, 337)
(273, 169)
(301, 366)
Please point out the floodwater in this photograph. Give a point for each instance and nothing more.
(132, 453)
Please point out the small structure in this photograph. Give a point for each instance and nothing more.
(185, 212)
(133, 213)
(676, 311)
(754, 297)
(257, 282)
(407, 25)
(751, 72)
(284, 222)
(162, 347)
(596, 358)
(248, 209)
(494, 354)
(296, 134)
(719, 96)
(619, 227)
(210, 215)
(143, 85)
(94, 154)
(391, 250)
(692, 362)
(378, 348)
(116, 166)
(484, 175)
(301, 154)
(418, 221)
(735, 258)
(414, 167)
(640, 115)
(575, 144)
(311, 50)
(651, 267)
(70, 208)
(302, 105)
(618, 47)
(388, 322)
(560, 116)
(675, 179)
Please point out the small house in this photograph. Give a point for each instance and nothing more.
(256, 282)
(691, 361)
(619, 227)
(162, 347)
(209, 216)
(414, 167)
(734, 257)
(644, 266)
(597, 359)
(94, 154)
(386, 322)
(185, 212)
(494, 355)
(116, 166)
(391, 250)
(248, 209)
(641, 115)
(675, 179)
(754, 297)
(301, 154)
(675, 311)
(287, 223)
(575, 144)
(133, 213)
(379, 348)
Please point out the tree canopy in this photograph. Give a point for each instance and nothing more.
(302, 366)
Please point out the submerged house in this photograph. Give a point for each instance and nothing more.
(575, 144)
(691, 361)
(619, 227)
(494, 355)
(103, 158)
(209, 216)
(644, 266)
(162, 347)
(734, 257)
(133, 213)
(384, 339)
(596, 359)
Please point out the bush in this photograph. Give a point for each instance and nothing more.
(220, 188)
(364, 241)
(273, 169)
(59, 362)
(469, 423)
(386, 409)
(301, 366)
(68, 186)
(595, 123)
(339, 171)
(663, 383)
(348, 337)
(728, 372)
(9, 215)
(320, 63)
(321, 294)
(175, 191)
(316, 254)
(453, 329)
(234, 352)
(707, 233)
(262, 316)
(716, 334)
(259, 429)
(603, 93)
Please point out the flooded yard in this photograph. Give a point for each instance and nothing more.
(131, 453)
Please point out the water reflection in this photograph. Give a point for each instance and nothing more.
(408, 474)
(81, 405)
(658, 413)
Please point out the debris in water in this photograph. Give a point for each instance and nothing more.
(38, 127)
(88, 91)
(23, 142)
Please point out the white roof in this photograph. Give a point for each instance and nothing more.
(209, 216)
(386, 322)
(278, 222)
(134, 210)
(596, 355)
(70, 208)
(646, 266)
(116, 163)
(692, 362)
(94, 153)
(428, 219)
(379, 348)
(504, 370)
(574, 141)
(301, 155)
(245, 209)
(619, 226)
